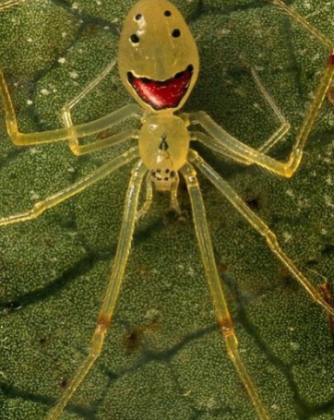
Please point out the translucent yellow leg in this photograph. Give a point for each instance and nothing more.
(265, 147)
(259, 225)
(283, 128)
(75, 147)
(213, 144)
(174, 202)
(112, 292)
(222, 313)
(246, 153)
(73, 189)
(81, 130)
(10, 3)
(149, 197)
(84, 149)
(71, 132)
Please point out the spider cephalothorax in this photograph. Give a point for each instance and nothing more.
(163, 144)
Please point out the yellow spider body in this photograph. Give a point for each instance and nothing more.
(159, 64)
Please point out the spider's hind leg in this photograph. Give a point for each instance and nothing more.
(260, 226)
(71, 190)
(112, 292)
(222, 313)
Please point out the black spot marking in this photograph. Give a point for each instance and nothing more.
(163, 145)
(253, 203)
(328, 250)
(176, 33)
(134, 38)
(133, 340)
(42, 340)
(312, 263)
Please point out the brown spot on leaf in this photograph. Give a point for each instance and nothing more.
(134, 337)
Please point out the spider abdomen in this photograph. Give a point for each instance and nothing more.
(163, 147)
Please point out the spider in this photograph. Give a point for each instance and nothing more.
(159, 64)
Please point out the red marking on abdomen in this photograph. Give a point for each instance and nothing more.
(160, 95)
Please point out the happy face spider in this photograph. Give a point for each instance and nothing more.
(159, 65)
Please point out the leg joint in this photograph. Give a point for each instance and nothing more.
(226, 325)
(102, 325)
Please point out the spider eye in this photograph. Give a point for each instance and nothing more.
(139, 16)
(134, 38)
(168, 13)
(176, 33)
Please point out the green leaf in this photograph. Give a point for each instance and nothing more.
(164, 357)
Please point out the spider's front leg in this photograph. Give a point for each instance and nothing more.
(232, 147)
(78, 149)
(222, 313)
(113, 289)
(265, 147)
(70, 132)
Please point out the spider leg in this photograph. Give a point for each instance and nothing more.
(70, 132)
(222, 313)
(149, 197)
(259, 225)
(10, 3)
(81, 130)
(73, 189)
(283, 128)
(84, 149)
(323, 86)
(265, 147)
(217, 147)
(75, 147)
(174, 202)
(112, 292)
(251, 155)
